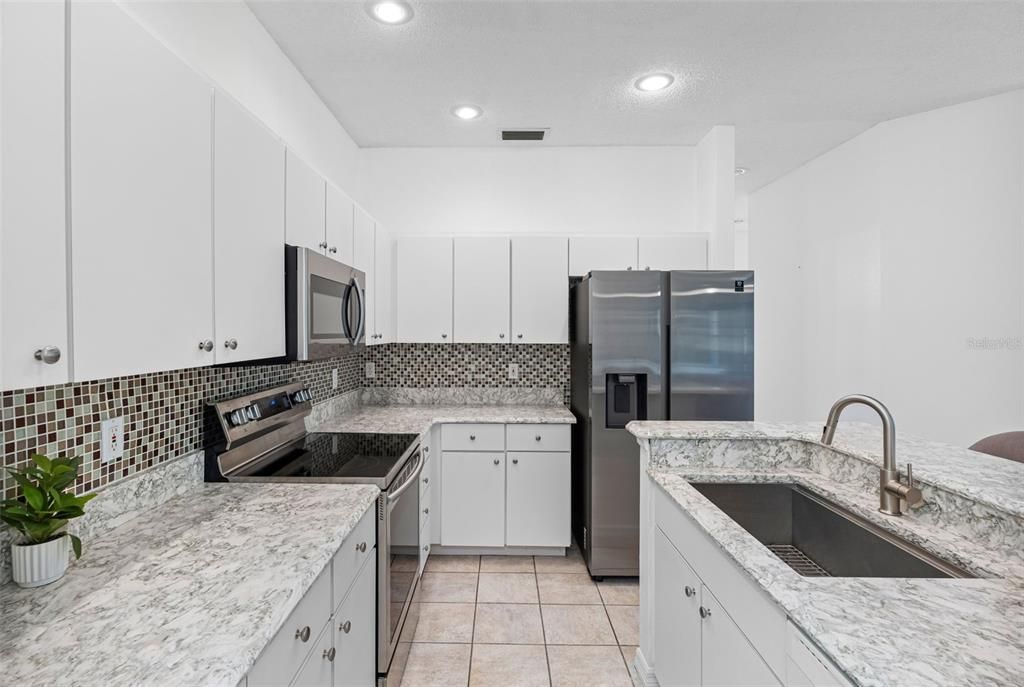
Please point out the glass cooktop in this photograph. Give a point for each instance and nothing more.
(335, 457)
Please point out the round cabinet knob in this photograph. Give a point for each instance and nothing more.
(47, 354)
(303, 634)
(689, 591)
(705, 612)
(497, 462)
(426, 480)
(519, 336)
(334, 249)
(630, 267)
(346, 626)
(323, 244)
(206, 345)
(426, 449)
(231, 343)
(472, 437)
(501, 336)
(361, 547)
(427, 547)
(515, 461)
(647, 267)
(329, 654)
(537, 438)
(444, 336)
(426, 511)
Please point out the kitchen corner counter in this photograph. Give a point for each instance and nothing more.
(187, 594)
(417, 419)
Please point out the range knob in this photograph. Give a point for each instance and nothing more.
(252, 411)
(301, 396)
(238, 417)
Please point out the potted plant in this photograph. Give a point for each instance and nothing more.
(41, 515)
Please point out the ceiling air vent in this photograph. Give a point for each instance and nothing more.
(523, 134)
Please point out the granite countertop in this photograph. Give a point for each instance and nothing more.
(417, 419)
(188, 593)
(884, 632)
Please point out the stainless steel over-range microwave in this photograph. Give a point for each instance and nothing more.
(325, 305)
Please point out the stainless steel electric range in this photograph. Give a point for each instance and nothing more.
(264, 439)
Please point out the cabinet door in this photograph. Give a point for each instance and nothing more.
(424, 290)
(248, 236)
(540, 290)
(589, 253)
(33, 268)
(340, 231)
(317, 671)
(481, 290)
(727, 658)
(677, 625)
(305, 205)
(355, 637)
(383, 282)
(683, 252)
(362, 259)
(141, 215)
(537, 499)
(473, 502)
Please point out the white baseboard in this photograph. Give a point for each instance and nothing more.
(438, 550)
(641, 673)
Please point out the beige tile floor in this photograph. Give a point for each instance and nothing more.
(520, 621)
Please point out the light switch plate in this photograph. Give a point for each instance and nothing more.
(112, 439)
(371, 370)
(513, 371)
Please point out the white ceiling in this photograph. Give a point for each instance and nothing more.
(796, 78)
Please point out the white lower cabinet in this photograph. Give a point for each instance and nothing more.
(355, 638)
(473, 502)
(537, 499)
(696, 642)
(493, 497)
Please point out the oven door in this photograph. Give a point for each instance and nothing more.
(398, 560)
(326, 305)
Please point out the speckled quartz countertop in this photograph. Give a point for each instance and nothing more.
(187, 594)
(418, 419)
(880, 632)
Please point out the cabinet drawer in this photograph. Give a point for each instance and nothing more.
(357, 547)
(806, 665)
(283, 657)
(355, 636)
(317, 671)
(427, 475)
(475, 437)
(425, 509)
(537, 437)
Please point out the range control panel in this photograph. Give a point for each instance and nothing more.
(262, 411)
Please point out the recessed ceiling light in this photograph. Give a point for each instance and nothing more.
(740, 171)
(391, 11)
(467, 112)
(654, 82)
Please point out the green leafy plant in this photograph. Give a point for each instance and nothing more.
(44, 508)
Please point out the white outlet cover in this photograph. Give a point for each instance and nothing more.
(112, 439)
(513, 371)
(371, 369)
(334, 378)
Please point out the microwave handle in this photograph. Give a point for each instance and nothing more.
(362, 311)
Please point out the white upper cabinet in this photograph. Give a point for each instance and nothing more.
(141, 180)
(540, 290)
(588, 253)
(383, 287)
(363, 250)
(481, 289)
(424, 269)
(682, 252)
(340, 231)
(33, 268)
(248, 231)
(305, 205)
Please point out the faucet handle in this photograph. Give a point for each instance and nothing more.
(910, 493)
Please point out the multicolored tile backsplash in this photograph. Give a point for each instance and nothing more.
(164, 411)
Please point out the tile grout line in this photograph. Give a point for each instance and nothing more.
(543, 631)
(472, 636)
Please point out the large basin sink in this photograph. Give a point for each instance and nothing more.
(818, 538)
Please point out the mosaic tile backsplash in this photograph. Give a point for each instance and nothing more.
(164, 411)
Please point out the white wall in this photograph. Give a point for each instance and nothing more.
(225, 41)
(610, 190)
(879, 261)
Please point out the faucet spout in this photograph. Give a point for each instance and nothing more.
(891, 490)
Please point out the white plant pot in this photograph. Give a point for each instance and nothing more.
(33, 565)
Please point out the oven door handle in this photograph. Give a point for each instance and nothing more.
(394, 495)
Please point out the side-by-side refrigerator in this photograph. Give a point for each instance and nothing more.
(648, 345)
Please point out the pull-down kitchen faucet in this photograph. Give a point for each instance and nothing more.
(891, 490)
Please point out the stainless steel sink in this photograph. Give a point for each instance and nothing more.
(818, 538)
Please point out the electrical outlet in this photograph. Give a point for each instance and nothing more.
(371, 369)
(513, 371)
(334, 378)
(112, 439)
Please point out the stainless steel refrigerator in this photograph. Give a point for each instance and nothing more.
(648, 345)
